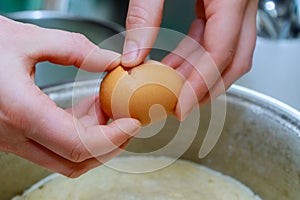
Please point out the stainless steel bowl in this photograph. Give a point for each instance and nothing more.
(259, 145)
(95, 30)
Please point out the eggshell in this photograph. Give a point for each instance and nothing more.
(148, 92)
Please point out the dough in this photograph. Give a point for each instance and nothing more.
(181, 180)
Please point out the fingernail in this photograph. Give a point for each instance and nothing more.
(186, 113)
(129, 126)
(130, 52)
(181, 112)
(186, 102)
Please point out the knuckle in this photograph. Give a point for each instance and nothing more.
(77, 169)
(79, 39)
(229, 56)
(245, 68)
(72, 173)
(137, 16)
(222, 58)
(79, 43)
(78, 153)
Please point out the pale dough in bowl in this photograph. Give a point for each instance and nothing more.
(181, 180)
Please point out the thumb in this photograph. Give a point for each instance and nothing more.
(142, 22)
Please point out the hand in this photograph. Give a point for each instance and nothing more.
(70, 141)
(225, 33)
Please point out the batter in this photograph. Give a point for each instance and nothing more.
(181, 180)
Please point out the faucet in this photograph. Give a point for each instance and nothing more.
(58, 5)
(278, 19)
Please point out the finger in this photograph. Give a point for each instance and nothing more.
(71, 139)
(188, 45)
(153, 62)
(52, 127)
(80, 109)
(203, 76)
(190, 62)
(243, 59)
(142, 22)
(189, 50)
(220, 52)
(222, 30)
(105, 158)
(103, 139)
(68, 48)
(89, 111)
(43, 157)
(200, 10)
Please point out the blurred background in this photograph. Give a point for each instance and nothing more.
(275, 71)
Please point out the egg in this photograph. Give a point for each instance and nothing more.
(148, 92)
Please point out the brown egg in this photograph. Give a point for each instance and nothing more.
(147, 92)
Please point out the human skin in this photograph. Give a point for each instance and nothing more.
(32, 126)
(225, 32)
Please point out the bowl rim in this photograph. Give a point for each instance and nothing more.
(276, 107)
(57, 15)
(269, 104)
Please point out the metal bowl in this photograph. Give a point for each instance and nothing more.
(259, 144)
(96, 30)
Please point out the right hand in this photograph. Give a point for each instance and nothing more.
(32, 126)
(217, 51)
